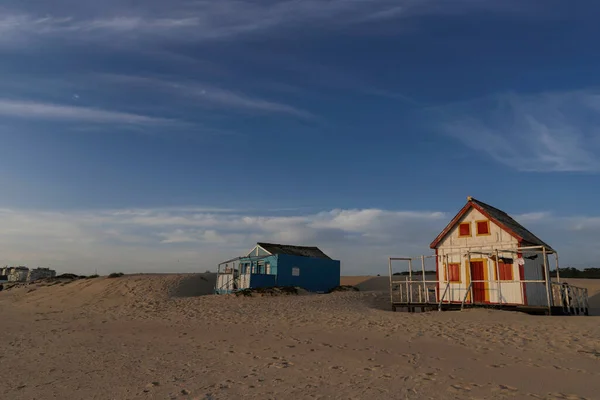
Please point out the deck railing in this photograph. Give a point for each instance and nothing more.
(574, 300)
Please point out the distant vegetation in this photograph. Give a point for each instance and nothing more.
(116, 275)
(589, 273)
(272, 291)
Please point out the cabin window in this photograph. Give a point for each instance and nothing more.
(464, 229)
(506, 271)
(268, 268)
(483, 228)
(453, 272)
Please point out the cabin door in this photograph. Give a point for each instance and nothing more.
(478, 274)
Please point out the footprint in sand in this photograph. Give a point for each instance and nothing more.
(507, 388)
(565, 396)
(460, 388)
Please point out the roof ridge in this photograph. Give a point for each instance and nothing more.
(501, 218)
(488, 205)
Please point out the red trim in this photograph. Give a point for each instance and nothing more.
(485, 302)
(447, 229)
(460, 214)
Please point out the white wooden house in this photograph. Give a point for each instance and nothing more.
(485, 251)
(485, 257)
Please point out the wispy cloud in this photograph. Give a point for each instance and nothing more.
(48, 111)
(547, 132)
(208, 95)
(209, 20)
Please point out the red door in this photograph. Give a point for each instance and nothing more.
(477, 274)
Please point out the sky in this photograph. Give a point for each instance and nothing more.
(166, 136)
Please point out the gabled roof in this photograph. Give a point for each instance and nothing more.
(302, 251)
(500, 218)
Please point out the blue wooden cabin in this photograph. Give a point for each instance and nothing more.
(268, 265)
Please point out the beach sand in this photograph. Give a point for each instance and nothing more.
(154, 337)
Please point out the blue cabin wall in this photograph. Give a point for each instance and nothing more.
(262, 281)
(315, 274)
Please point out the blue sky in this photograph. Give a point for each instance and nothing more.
(164, 136)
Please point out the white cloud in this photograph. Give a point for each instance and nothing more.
(48, 111)
(194, 239)
(547, 132)
(533, 216)
(152, 239)
(210, 95)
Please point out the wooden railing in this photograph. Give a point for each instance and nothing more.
(574, 300)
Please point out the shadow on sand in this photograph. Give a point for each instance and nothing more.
(193, 285)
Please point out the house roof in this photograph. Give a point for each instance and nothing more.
(500, 218)
(302, 251)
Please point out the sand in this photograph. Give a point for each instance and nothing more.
(152, 337)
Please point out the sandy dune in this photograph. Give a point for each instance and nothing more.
(145, 337)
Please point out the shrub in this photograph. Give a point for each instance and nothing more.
(344, 288)
(116, 275)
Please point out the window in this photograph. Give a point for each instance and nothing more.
(295, 271)
(483, 228)
(453, 272)
(506, 271)
(464, 229)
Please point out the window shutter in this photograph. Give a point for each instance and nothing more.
(464, 229)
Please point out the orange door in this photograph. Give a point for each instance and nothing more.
(478, 274)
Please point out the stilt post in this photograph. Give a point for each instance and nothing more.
(547, 276)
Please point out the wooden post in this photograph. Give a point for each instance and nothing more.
(498, 279)
(547, 273)
(557, 270)
(446, 279)
(470, 277)
(391, 284)
(409, 282)
(424, 284)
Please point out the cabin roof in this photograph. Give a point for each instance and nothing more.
(500, 218)
(303, 251)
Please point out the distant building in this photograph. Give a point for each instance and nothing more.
(24, 274)
(269, 265)
(18, 274)
(40, 273)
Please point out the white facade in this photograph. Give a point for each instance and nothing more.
(18, 274)
(475, 254)
(24, 274)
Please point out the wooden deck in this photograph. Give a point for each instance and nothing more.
(423, 307)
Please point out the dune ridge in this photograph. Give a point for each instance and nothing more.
(154, 336)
